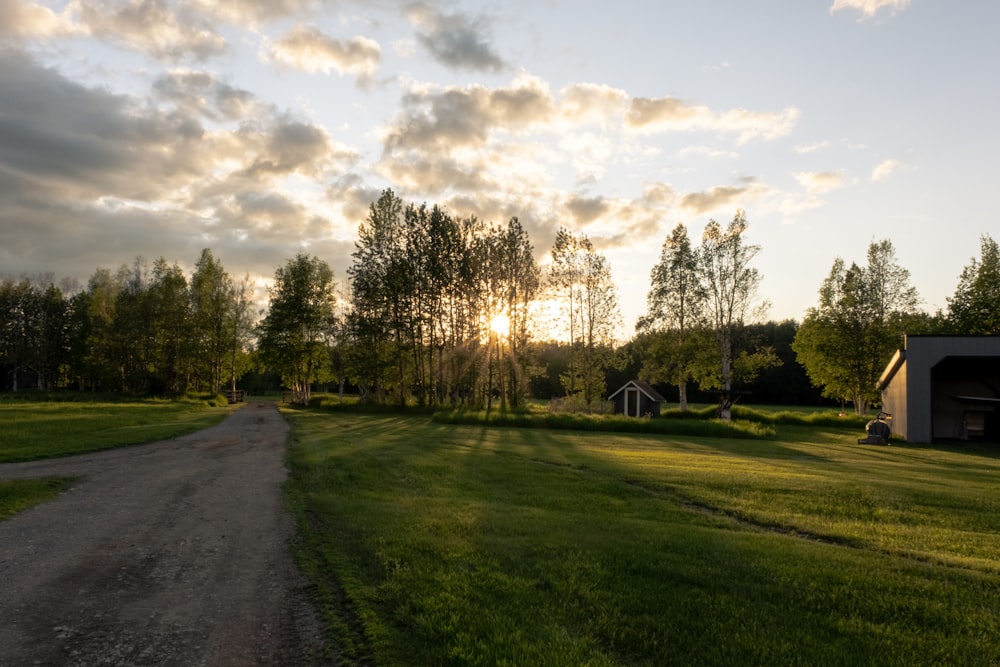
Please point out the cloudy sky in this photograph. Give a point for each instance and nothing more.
(262, 128)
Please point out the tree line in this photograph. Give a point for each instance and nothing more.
(441, 310)
(142, 329)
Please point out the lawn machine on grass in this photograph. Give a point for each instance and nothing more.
(878, 430)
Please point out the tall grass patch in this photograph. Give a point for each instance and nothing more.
(437, 543)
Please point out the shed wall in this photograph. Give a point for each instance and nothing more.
(921, 410)
(894, 402)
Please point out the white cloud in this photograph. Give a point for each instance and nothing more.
(29, 19)
(153, 27)
(669, 113)
(869, 8)
(707, 151)
(803, 149)
(310, 50)
(818, 182)
(885, 169)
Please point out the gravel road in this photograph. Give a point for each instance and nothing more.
(171, 553)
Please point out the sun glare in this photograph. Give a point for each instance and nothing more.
(500, 325)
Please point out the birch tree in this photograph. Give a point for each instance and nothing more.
(731, 285)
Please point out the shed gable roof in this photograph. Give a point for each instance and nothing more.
(644, 387)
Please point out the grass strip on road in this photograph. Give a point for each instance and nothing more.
(20, 494)
(45, 429)
(437, 543)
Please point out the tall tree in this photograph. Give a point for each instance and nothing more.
(96, 313)
(565, 277)
(581, 277)
(845, 341)
(131, 331)
(975, 306)
(295, 334)
(379, 283)
(731, 284)
(239, 328)
(171, 327)
(675, 314)
(520, 282)
(211, 309)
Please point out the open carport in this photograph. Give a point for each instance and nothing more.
(944, 388)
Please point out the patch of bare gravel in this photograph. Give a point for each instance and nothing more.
(172, 553)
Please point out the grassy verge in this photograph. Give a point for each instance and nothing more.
(20, 494)
(35, 430)
(437, 543)
(50, 428)
(703, 426)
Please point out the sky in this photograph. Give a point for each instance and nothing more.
(264, 128)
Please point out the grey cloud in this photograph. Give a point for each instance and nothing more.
(587, 209)
(62, 136)
(466, 116)
(354, 196)
(455, 40)
(200, 93)
(430, 175)
(87, 175)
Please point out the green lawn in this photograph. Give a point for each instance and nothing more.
(435, 543)
(44, 429)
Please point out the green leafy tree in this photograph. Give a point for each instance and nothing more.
(211, 317)
(975, 306)
(94, 345)
(171, 327)
(34, 334)
(294, 336)
(239, 328)
(731, 285)
(379, 285)
(130, 334)
(845, 341)
(676, 316)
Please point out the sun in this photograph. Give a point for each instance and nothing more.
(500, 325)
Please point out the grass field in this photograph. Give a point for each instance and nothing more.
(45, 429)
(434, 543)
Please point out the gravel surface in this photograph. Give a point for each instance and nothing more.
(172, 553)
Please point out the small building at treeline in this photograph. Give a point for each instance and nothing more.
(637, 399)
